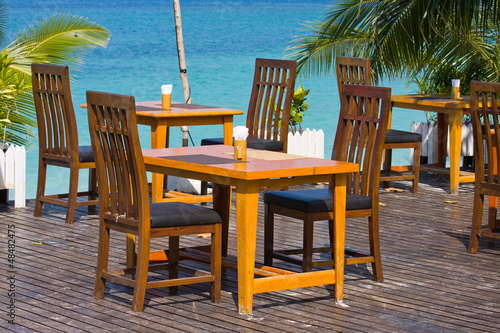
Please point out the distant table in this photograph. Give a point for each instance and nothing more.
(181, 114)
(450, 114)
(261, 169)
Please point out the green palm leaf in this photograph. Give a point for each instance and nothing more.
(61, 39)
(407, 39)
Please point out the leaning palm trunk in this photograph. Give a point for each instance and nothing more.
(182, 64)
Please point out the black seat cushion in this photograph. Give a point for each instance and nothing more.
(254, 143)
(179, 214)
(314, 200)
(395, 136)
(85, 154)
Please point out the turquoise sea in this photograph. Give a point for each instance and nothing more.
(222, 40)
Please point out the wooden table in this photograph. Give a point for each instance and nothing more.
(181, 114)
(450, 114)
(262, 168)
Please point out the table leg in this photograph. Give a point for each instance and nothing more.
(455, 121)
(159, 139)
(442, 140)
(228, 130)
(222, 204)
(247, 196)
(339, 206)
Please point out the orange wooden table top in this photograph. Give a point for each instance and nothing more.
(154, 109)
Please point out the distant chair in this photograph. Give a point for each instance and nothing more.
(357, 71)
(268, 114)
(124, 205)
(364, 114)
(485, 112)
(58, 139)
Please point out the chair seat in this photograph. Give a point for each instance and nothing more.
(314, 200)
(179, 214)
(254, 143)
(395, 136)
(85, 154)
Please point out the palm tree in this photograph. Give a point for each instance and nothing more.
(423, 41)
(62, 39)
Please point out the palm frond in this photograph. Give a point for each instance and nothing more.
(62, 39)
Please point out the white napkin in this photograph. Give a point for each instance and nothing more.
(455, 83)
(240, 133)
(166, 89)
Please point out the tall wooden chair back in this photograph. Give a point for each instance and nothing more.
(121, 173)
(58, 138)
(361, 130)
(485, 112)
(124, 206)
(271, 99)
(352, 70)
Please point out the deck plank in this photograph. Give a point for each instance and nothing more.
(431, 283)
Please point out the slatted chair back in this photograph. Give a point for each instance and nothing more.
(352, 70)
(57, 130)
(121, 173)
(485, 111)
(271, 99)
(361, 130)
(357, 71)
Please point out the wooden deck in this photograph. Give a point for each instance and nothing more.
(431, 283)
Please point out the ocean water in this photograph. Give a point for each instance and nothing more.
(222, 40)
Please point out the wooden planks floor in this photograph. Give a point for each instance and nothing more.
(431, 283)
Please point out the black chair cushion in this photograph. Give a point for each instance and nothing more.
(314, 200)
(85, 154)
(254, 143)
(395, 136)
(179, 214)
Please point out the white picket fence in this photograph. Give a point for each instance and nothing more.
(429, 140)
(13, 172)
(308, 143)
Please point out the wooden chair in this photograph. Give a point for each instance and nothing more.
(58, 139)
(124, 205)
(357, 71)
(268, 114)
(485, 112)
(364, 114)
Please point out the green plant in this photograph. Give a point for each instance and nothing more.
(62, 39)
(407, 39)
(298, 108)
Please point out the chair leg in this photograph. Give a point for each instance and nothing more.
(307, 245)
(331, 236)
(268, 236)
(72, 194)
(102, 261)
(92, 189)
(387, 164)
(130, 253)
(40, 191)
(477, 218)
(215, 263)
(375, 248)
(141, 274)
(173, 261)
(416, 168)
(492, 215)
